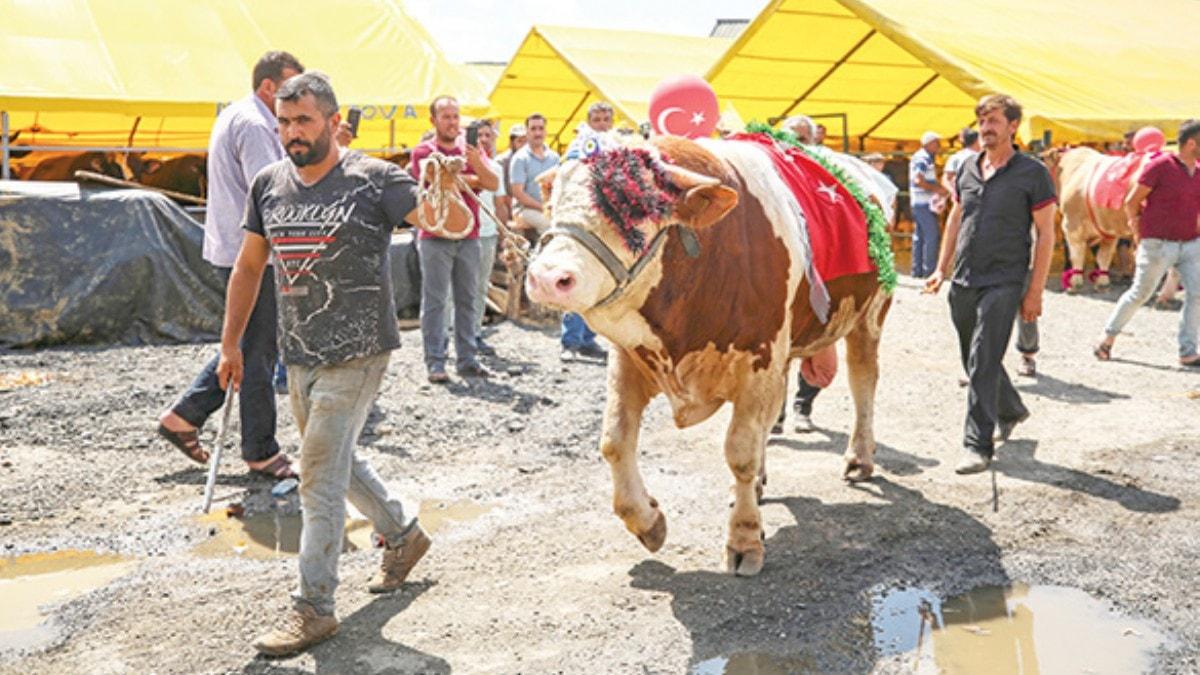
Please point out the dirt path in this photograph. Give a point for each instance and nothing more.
(1096, 492)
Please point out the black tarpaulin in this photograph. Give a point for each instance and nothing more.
(92, 265)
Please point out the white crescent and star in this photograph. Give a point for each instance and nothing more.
(829, 191)
(697, 117)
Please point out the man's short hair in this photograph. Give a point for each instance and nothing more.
(969, 137)
(1007, 104)
(271, 67)
(535, 116)
(599, 107)
(1189, 130)
(313, 83)
(445, 98)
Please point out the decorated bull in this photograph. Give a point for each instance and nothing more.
(1092, 188)
(710, 266)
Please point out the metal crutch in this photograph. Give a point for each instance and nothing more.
(214, 460)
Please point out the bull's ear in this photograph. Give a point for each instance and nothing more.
(705, 200)
(546, 181)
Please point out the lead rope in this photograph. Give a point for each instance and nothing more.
(439, 175)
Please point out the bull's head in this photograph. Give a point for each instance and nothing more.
(609, 213)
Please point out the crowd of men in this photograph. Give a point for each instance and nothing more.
(299, 226)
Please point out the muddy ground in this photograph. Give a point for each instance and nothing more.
(1097, 491)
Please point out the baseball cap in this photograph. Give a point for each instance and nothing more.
(929, 137)
(516, 131)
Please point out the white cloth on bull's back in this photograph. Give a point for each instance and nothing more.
(244, 140)
(758, 174)
(870, 180)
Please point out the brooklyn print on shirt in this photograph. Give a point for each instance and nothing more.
(300, 235)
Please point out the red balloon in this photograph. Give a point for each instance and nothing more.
(684, 106)
(1148, 139)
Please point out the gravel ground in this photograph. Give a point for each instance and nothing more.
(1095, 492)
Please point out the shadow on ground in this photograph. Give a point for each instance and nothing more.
(810, 607)
(360, 647)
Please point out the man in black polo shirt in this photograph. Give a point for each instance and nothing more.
(999, 194)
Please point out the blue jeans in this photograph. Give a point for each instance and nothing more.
(256, 400)
(1154, 258)
(926, 238)
(575, 332)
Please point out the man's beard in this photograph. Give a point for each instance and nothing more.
(315, 153)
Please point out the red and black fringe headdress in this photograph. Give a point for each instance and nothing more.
(621, 191)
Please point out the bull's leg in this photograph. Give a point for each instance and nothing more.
(862, 369)
(745, 445)
(1075, 231)
(1104, 258)
(629, 392)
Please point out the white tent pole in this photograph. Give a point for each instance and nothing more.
(4, 171)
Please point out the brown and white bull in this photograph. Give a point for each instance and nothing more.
(1085, 221)
(712, 311)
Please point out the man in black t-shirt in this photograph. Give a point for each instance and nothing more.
(1000, 194)
(326, 216)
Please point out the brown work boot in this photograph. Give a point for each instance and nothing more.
(302, 629)
(398, 561)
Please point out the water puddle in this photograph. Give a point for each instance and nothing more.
(1017, 629)
(273, 534)
(435, 515)
(30, 582)
(23, 378)
(266, 536)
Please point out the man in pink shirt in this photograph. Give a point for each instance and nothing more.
(1164, 211)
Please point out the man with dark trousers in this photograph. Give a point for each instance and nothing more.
(244, 139)
(1000, 193)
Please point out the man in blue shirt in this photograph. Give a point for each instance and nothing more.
(922, 186)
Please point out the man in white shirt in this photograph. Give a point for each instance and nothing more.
(245, 138)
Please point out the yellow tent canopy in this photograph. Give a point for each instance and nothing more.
(1086, 70)
(148, 73)
(560, 71)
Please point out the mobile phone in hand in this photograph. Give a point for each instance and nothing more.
(352, 118)
(473, 136)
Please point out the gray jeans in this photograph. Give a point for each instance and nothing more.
(330, 404)
(449, 272)
(487, 260)
(1154, 258)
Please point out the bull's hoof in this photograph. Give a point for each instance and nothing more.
(654, 537)
(743, 563)
(1075, 285)
(1102, 280)
(857, 472)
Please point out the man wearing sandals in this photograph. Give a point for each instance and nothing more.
(1164, 211)
(1003, 199)
(244, 140)
(327, 217)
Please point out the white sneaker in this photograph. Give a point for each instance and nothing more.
(804, 424)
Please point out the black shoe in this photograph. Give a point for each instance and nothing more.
(473, 370)
(484, 348)
(592, 351)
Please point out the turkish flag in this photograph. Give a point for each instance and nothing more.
(837, 226)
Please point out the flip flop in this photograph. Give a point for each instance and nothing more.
(279, 469)
(1102, 352)
(188, 442)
